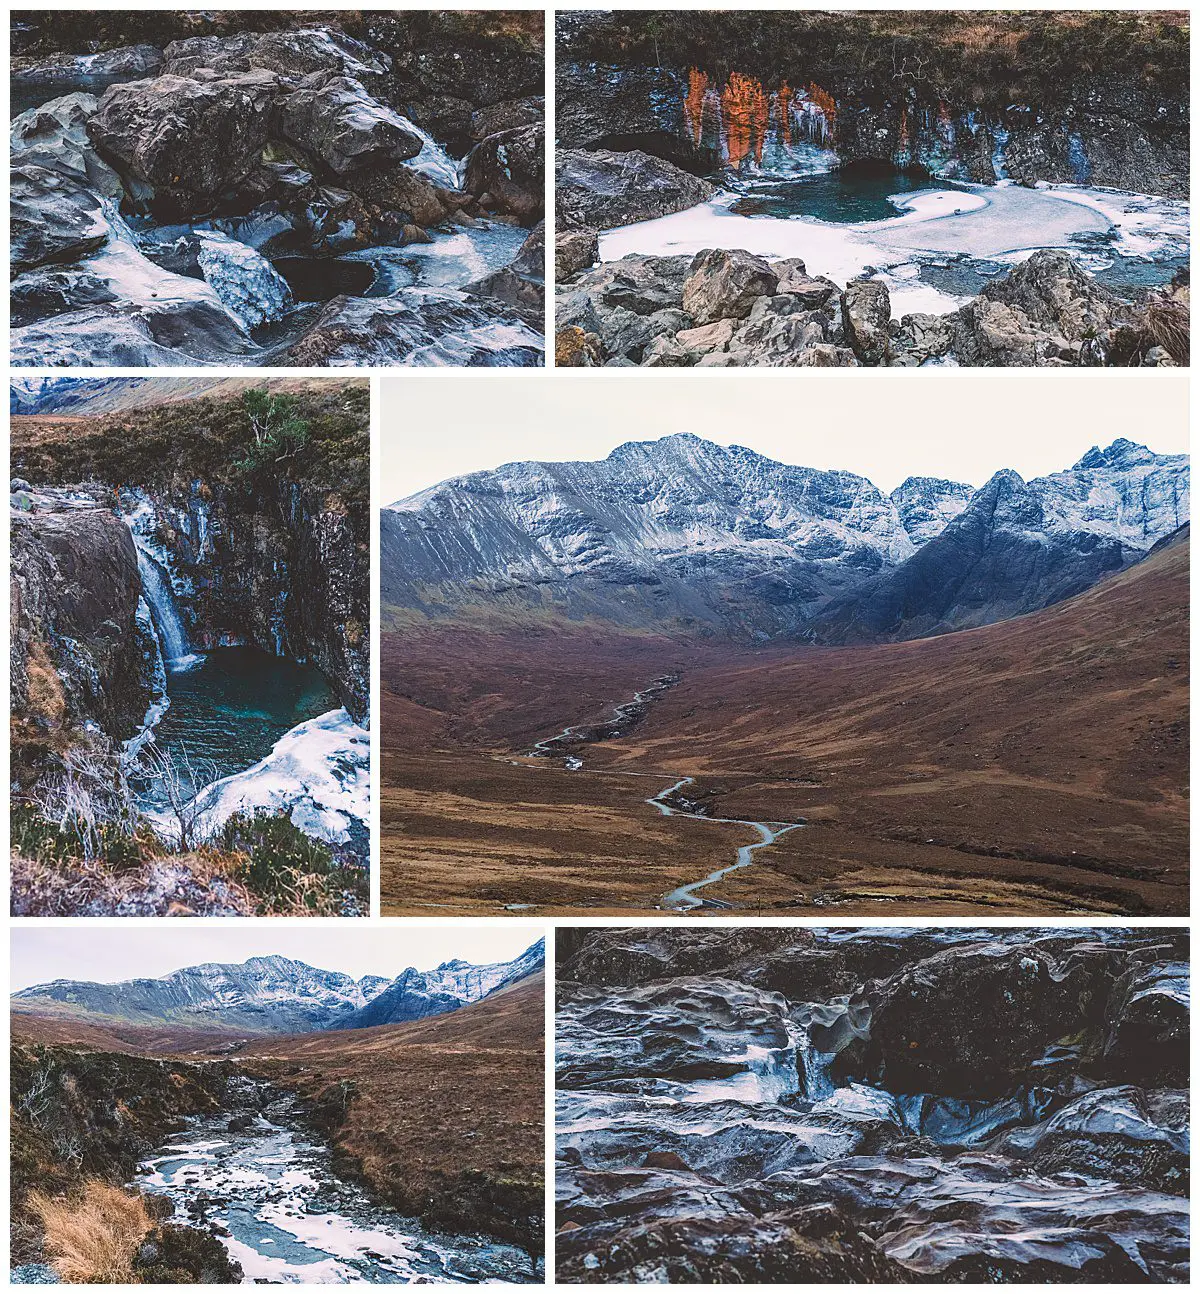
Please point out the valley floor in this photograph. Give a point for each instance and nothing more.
(1032, 767)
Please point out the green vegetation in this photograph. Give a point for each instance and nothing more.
(279, 431)
(320, 435)
(288, 871)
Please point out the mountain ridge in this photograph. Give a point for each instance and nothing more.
(684, 533)
(276, 994)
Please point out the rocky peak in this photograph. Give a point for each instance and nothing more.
(927, 503)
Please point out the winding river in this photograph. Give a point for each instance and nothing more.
(268, 1189)
(686, 898)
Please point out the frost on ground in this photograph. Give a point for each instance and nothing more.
(319, 773)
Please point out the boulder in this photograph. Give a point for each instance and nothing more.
(725, 284)
(604, 189)
(52, 218)
(574, 250)
(334, 120)
(867, 309)
(55, 136)
(189, 142)
(1055, 295)
(510, 169)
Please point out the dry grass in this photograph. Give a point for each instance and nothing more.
(92, 1238)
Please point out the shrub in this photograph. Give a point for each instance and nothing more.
(288, 870)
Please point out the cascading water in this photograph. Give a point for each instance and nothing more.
(160, 597)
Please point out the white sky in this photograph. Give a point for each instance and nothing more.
(883, 424)
(108, 954)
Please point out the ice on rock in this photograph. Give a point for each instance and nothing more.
(248, 285)
(319, 774)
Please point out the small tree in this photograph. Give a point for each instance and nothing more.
(279, 431)
(179, 778)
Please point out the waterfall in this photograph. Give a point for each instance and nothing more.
(160, 597)
(999, 142)
(160, 701)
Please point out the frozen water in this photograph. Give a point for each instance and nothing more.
(319, 773)
(248, 285)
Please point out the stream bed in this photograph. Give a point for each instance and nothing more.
(268, 1188)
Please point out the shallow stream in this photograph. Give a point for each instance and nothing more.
(269, 1189)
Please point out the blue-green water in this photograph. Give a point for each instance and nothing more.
(839, 197)
(228, 711)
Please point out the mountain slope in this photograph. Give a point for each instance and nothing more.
(417, 994)
(695, 537)
(274, 995)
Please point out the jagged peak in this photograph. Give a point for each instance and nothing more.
(1121, 453)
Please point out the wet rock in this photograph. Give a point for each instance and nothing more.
(574, 250)
(54, 136)
(510, 114)
(334, 119)
(725, 284)
(52, 218)
(604, 189)
(868, 314)
(417, 326)
(510, 168)
(930, 1111)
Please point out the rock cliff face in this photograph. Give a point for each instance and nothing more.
(953, 1105)
(1028, 98)
(687, 534)
(81, 663)
(284, 571)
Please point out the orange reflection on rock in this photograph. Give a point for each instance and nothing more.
(746, 117)
(742, 119)
(693, 105)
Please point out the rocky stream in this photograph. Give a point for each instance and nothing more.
(271, 198)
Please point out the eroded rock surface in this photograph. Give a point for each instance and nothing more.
(936, 1105)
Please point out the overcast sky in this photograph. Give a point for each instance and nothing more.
(885, 426)
(107, 954)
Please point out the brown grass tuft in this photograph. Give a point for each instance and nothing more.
(92, 1238)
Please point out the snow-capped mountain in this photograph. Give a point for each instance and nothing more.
(683, 533)
(276, 995)
(416, 994)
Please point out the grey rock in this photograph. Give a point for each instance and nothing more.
(604, 189)
(725, 284)
(868, 313)
(574, 250)
(55, 136)
(332, 118)
(509, 168)
(52, 218)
